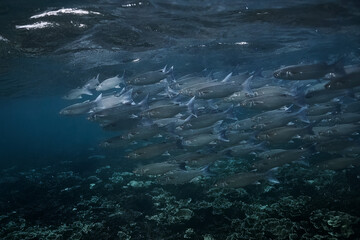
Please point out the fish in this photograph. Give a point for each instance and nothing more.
(178, 177)
(346, 129)
(244, 149)
(320, 109)
(149, 77)
(208, 119)
(346, 81)
(92, 83)
(169, 110)
(283, 134)
(326, 96)
(203, 139)
(279, 158)
(106, 102)
(241, 96)
(203, 160)
(80, 108)
(244, 179)
(269, 102)
(77, 93)
(222, 89)
(116, 142)
(281, 118)
(171, 122)
(215, 128)
(338, 163)
(308, 71)
(152, 150)
(158, 168)
(118, 112)
(110, 83)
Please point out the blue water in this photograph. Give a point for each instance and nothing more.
(56, 182)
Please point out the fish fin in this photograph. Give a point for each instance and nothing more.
(338, 66)
(98, 98)
(229, 113)
(128, 96)
(301, 114)
(166, 154)
(163, 69)
(222, 137)
(182, 166)
(188, 118)
(144, 104)
(226, 79)
(246, 86)
(217, 127)
(190, 105)
(303, 162)
(171, 69)
(170, 92)
(270, 175)
(212, 104)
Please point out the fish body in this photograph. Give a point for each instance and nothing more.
(244, 179)
(268, 102)
(280, 158)
(346, 129)
(110, 83)
(78, 108)
(306, 71)
(92, 83)
(178, 177)
(244, 149)
(206, 120)
(338, 163)
(149, 77)
(113, 101)
(77, 93)
(283, 134)
(156, 168)
(200, 140)
(280, 119)
(152, 150)
(346, 81)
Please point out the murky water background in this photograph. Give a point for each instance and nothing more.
(57, 183)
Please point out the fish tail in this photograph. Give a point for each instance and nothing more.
(190, 105)
(246, 86)
(338, 66)
(226, 79)
(269, 175)
(222, 136)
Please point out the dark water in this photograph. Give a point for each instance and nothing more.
(56, 181)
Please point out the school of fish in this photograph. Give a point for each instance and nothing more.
(179, 128)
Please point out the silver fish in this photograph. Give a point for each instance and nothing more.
(280, 158)
(178, 177)
(202, 140)
(338, 163)
(77, 93)
(169, 110)
(244, 179)
(152, 150)
(157, 168)
(110, 83)
(307, 71)
(150, 77)
(92, 83)
(221, 90)
(283, 134)
(80, 108)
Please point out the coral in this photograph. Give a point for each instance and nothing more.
(334, 223)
